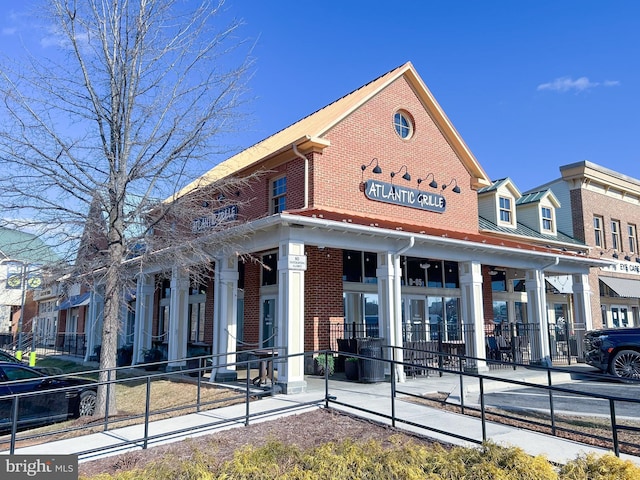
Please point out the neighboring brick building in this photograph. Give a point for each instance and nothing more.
(605, 214)
(366, 218)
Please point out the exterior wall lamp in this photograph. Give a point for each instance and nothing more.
(455, 189)
(377, 170)
(406, 175)
(432, 184)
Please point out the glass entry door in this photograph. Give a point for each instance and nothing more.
(268, 324)
(416, 328)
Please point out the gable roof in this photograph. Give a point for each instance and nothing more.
(308, 132)
(534, 197)
(496, 184)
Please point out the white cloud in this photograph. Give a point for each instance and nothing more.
(9, 31)
(567, 84)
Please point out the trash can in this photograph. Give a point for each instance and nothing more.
(371, 370)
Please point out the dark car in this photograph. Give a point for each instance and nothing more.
(49, 399)
(7, 357)
(614, 350)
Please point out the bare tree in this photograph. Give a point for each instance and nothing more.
(94, 138)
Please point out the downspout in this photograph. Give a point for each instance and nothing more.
(396, 327)
(552, 264)
(306, 174)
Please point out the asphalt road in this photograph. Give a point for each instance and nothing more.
(574, 403)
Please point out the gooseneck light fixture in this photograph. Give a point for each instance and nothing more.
(432, 184)
(455, 189)
(406, 175)
(377, 170)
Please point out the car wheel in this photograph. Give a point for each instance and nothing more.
(626, 364)
(87, 404)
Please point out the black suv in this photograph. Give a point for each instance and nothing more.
(614, 350)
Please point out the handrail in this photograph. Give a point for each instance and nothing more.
(328, 399)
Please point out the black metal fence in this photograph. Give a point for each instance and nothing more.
(504, 343)
(330, 395)
(62, 343)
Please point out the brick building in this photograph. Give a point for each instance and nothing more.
(371, 215)
(605, 214)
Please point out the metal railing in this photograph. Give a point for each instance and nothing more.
(246, 391)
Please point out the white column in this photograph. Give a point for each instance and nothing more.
(225, 318)
(93, 333)
(292, 264)
(178, 320)
(143, 329)
(472, 313)
(537, 313)
(582, 316)
(389, 311)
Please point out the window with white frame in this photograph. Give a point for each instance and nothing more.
(279, 195)
(597, 231)
(547, 219)
(633, 238)
(615, 235)
(506, 214)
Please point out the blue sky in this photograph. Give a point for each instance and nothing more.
(530, 85)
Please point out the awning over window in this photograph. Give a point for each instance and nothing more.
(562, 283)
(624, 287)
(75, 301)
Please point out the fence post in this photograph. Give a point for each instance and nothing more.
(200, 373)
(393, 393)
(482, 412)
(106, 406)
(147, 408)
(247, 398)
(551, 409)
(614, 427)
(14, 424)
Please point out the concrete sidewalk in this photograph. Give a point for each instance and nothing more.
(350, 397)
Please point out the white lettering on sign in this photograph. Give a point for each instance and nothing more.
(407, 197)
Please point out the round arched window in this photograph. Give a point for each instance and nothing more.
(403, 125)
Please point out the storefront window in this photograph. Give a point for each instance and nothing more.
(351, 266)
(500, 311)
(451, 278)
(499, 281)
(370, 267)
(521, 312)
(519, 286)
(371, 315)
(434, 274)
(357, 266)
(196, 322)
(270, 269)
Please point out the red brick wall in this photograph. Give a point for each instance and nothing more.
(585, 204)
(323, 296)
(252, 302)
(369, 133)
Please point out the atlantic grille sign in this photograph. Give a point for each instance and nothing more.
(407, 197)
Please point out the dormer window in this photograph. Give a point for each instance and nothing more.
(506, 210)
(547, 219)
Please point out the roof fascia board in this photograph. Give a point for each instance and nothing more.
(345, 226)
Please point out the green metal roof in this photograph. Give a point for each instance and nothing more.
(25, 247)
(524, 231)
(531, 197)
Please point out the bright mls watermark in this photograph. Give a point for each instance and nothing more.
(50, 467)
